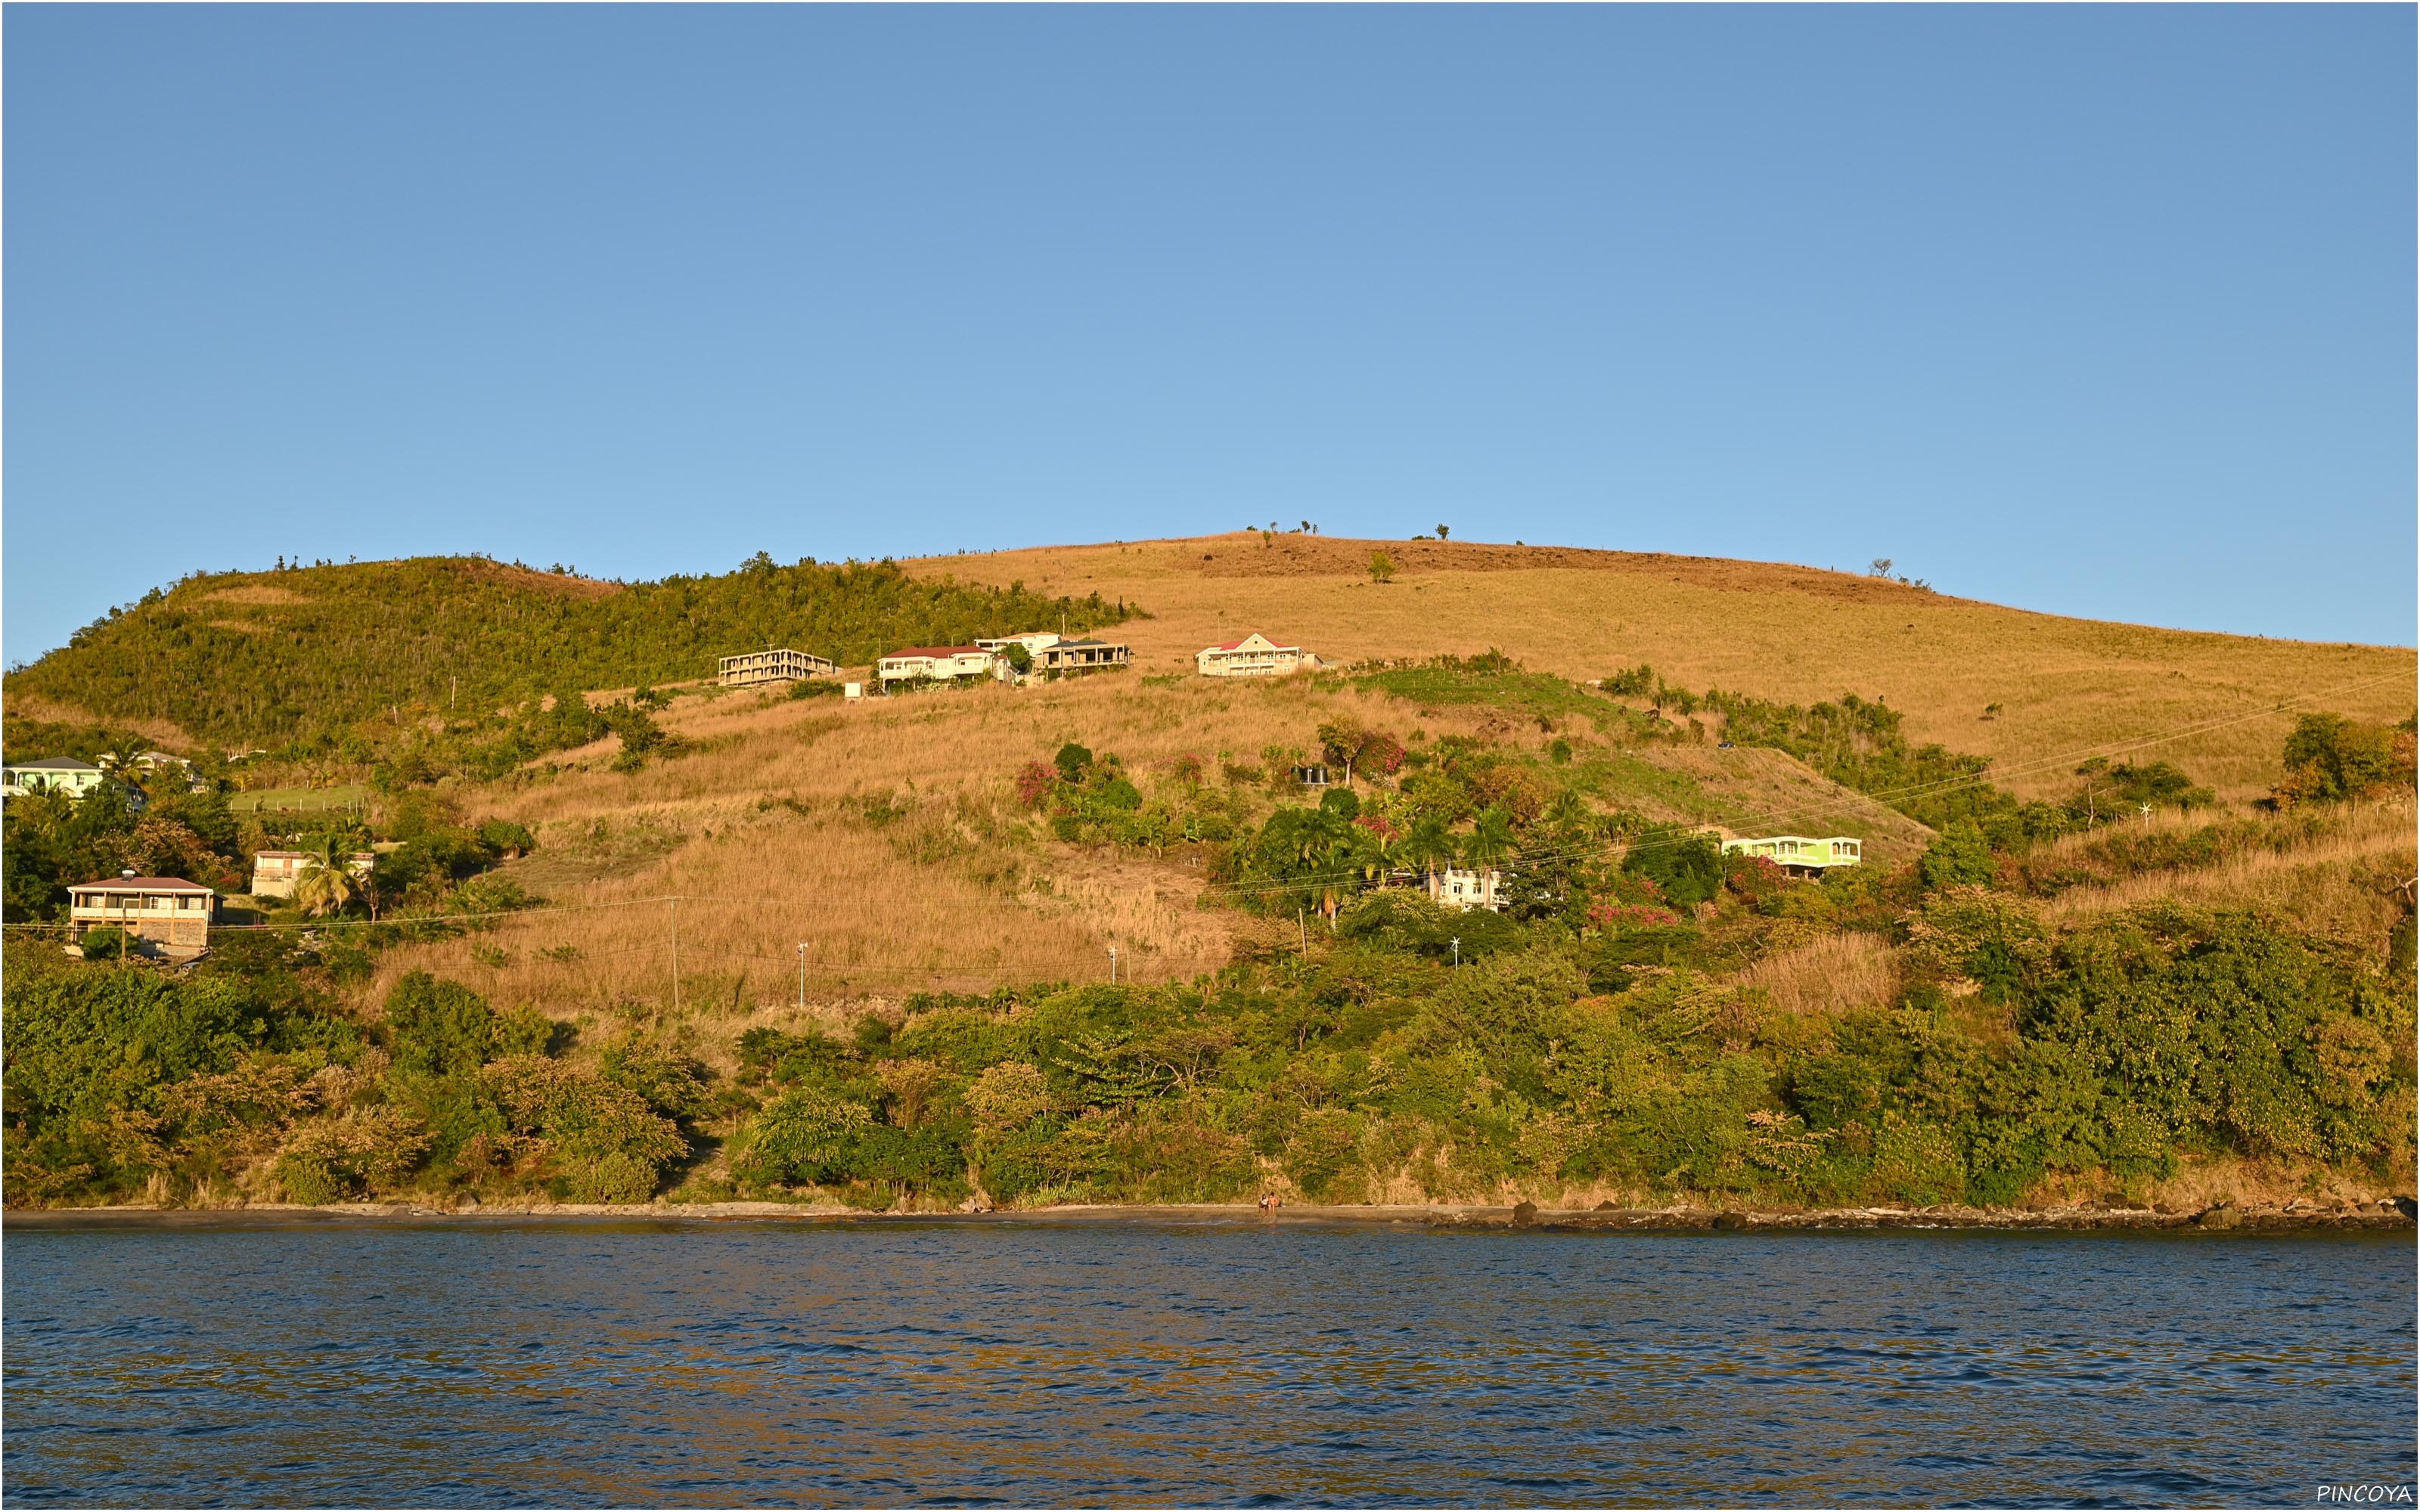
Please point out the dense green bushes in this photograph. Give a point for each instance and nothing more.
(2111, 1053)
(247, 1077)
(2008, 1056)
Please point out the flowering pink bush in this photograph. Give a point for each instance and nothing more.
(1605, 915)
(1377, 824)
(1035, 782)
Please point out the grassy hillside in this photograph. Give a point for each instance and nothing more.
(2031, 991)
(259, 658)
(2024, 689)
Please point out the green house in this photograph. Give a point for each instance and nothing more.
(52, 774)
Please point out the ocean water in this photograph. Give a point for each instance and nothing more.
(496, 1361)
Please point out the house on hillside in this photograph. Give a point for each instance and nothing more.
(275, 873)
(1085, 656)
(1466, 888)
(162, 764)
(1056, 655)
(1799, 856)
(1255, 655)
(911, 665)
(52, 774)
(167, 915)
(754, 668)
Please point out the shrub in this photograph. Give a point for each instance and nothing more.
(603, 1142)
(1687, 867)
(1009, 1096)
(2330, 759)
(442, 1029)
(806, 1136)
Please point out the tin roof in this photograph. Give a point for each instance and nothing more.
(935, 650)
(139, 884)
(53, 764)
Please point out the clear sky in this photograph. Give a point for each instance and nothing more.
(2106, 311)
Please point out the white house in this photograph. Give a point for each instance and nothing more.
(938, 664)
(1052, 653)
(52, 774)
(275, 873)
(1466, 888)
(1255, 655)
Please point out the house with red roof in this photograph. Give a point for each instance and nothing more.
(1255, 655)
(169, 916)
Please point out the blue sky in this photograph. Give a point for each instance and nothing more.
(2105, 311)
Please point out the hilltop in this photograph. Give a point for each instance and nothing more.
(2019, 688)
(806, 946)
(264, 658)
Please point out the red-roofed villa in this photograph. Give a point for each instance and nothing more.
(1255, 655)
(169, 914)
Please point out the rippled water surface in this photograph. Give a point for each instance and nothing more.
(498, 1361)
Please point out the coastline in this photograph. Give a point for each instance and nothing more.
(2225, 1218)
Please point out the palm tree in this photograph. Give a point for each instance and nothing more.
(1491, 837)
(1428, 846)
(327, 884)
(1569, 816)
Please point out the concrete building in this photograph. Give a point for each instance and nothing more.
(1799, 856)
(1058, 655)
(168, 916)
(1085, 656)
(1255, 655)
(756, 669)
(910, 665)
(275, 873)
(1466, 888)
(52, 774)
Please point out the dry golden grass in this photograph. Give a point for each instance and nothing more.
(1830, 975)
(963, 892)
(924, 902)
(169, 736)
(256, 594)
(2065, 686)
(767, 810)
(2342, 882)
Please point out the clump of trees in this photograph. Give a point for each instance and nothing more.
(2330, 759)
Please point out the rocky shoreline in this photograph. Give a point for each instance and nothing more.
(2225, 1217)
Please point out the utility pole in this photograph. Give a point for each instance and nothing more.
(803, 976)
(676, 956)
(1457, 953)
(1114, 966)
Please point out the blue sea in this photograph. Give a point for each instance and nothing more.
(505, 1361)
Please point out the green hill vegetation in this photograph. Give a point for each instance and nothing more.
(266, 659)
(2118, 984)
